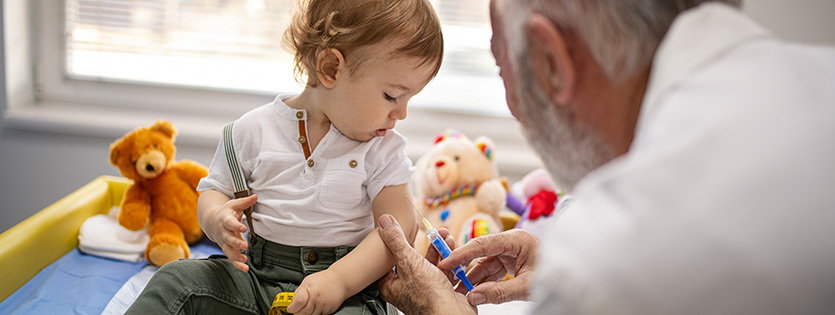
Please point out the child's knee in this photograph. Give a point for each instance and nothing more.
(183, 273)
(174, 266)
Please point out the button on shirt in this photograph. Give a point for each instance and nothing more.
(322, 200)
(724, 203)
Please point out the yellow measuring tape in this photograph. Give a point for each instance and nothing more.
(280, 303)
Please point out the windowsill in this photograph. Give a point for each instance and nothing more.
(110, 123)
(513, 155)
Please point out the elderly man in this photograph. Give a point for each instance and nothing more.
(700, 152)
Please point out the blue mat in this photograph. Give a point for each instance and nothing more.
(78, 283)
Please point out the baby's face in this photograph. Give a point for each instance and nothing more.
(373, 99)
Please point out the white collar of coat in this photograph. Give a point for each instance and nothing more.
(697, 38)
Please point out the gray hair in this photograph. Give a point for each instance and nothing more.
(621, 34)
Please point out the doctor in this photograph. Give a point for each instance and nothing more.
(700, 150)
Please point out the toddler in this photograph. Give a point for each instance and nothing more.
(322, 166)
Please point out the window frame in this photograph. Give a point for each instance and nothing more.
(46, 99)
(57, 86)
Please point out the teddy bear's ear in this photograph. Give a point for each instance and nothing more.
(114, 152)
(165, 127)
(485, 145)
(449, 134)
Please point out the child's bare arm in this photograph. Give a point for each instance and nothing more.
(371, 260)
(220, 218)
(324, 292)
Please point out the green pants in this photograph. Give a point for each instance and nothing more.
(214, 286)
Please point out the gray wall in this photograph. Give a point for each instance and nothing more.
(38, 168)
(2, 67)
(806, 21)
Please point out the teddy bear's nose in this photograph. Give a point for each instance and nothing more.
(149, 167)
(439, 163)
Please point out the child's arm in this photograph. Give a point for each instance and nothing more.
(323, 292)
(220, 217)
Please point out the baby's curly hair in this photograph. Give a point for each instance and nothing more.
(348, 25)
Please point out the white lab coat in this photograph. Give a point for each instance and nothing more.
(725, 203)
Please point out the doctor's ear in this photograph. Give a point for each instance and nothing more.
(329, 66)
(553, 66)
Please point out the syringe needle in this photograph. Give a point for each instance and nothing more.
(440, 245)
(425, 221)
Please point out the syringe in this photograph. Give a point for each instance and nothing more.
(442, 248)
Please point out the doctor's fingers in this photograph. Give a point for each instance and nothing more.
(499, 292)
(432, 255)
(412, 269)
(514, 243)
(397, 287)
(447, 237)
(484, 270)
(413, 285)
(394, 238)
(489, 269)
(391, 288)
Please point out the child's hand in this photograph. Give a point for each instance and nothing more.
(320, 293)
(224, 227)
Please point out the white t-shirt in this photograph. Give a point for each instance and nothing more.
(326, 204)
(725, 203)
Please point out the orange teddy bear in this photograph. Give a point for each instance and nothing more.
(163, 192)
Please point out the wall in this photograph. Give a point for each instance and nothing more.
(2, 66)
(806, 21)
(39, 167)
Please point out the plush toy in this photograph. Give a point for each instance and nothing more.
(542, 201)
(458, 187)
(163, 193)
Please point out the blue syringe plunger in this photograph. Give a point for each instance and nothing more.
(440, 245)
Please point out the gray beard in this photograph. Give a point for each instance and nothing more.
(568, 149)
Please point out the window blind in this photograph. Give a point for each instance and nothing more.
(237, 45)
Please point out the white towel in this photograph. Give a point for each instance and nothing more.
(101, 235)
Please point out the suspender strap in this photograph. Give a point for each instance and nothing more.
(238, 178)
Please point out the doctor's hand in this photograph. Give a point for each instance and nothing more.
(434, 257)
(223, 224)
(512, 252)
(417, 286)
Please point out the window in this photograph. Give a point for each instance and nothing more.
(99, 67)
(235, 45)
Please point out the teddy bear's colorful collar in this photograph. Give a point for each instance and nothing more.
(461, 191)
